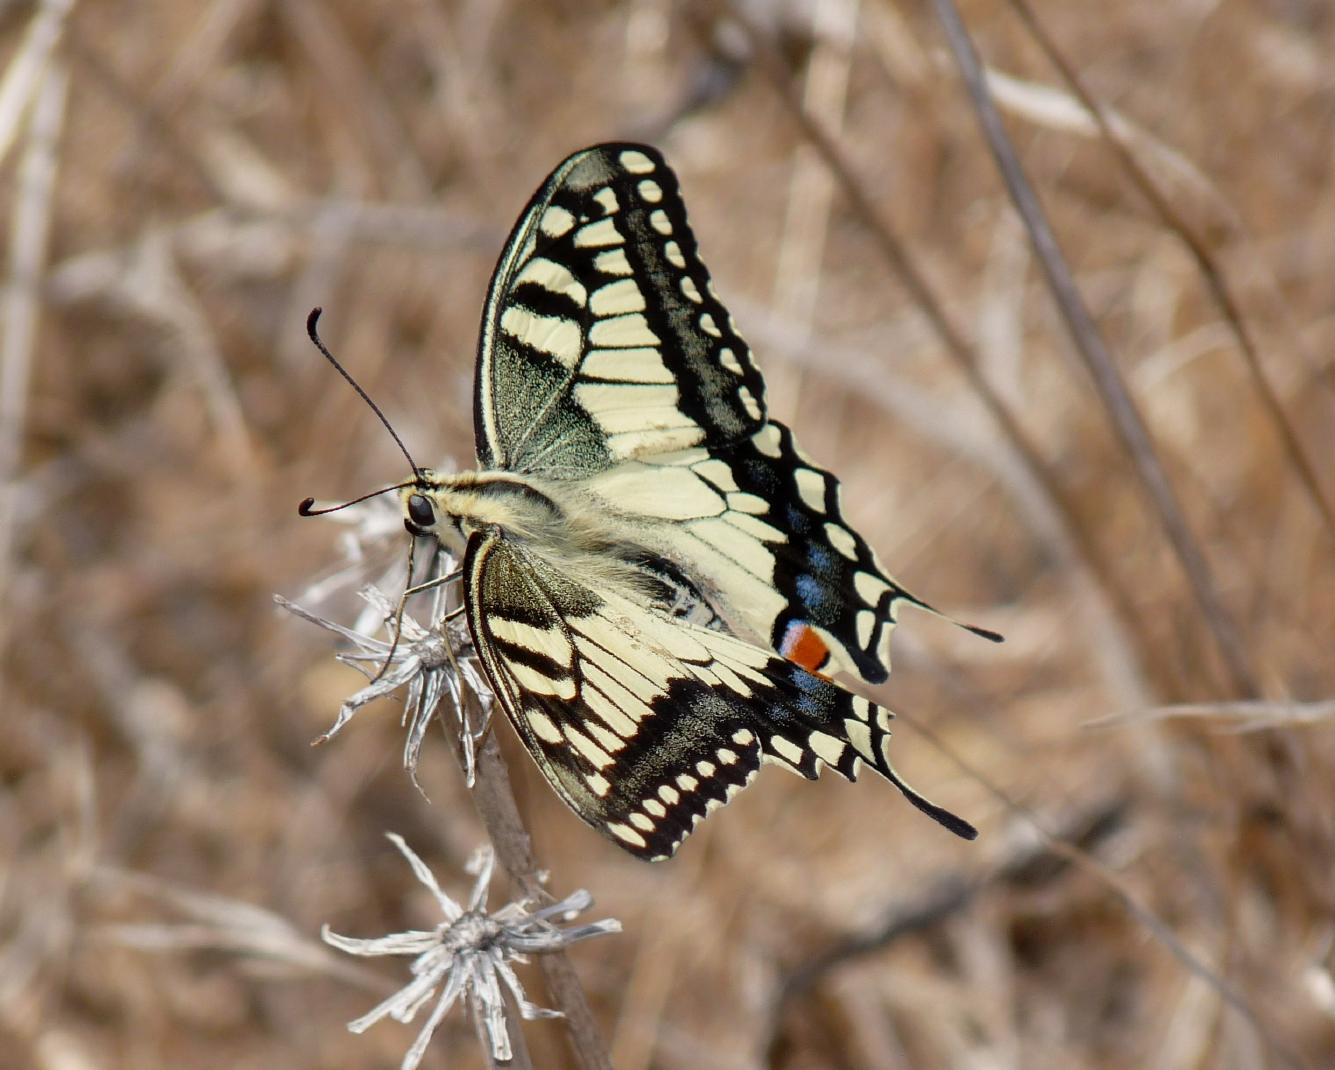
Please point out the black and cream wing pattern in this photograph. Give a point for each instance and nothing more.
(687, 624)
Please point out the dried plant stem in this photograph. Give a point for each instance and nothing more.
(1126, 418)
(30, 227)
(495, 802)
(1209, 269)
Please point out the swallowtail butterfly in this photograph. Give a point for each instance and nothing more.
(657, 579)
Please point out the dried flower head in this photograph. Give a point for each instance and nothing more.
(430, 662)
(470, 954)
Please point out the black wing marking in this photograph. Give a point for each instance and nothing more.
(601, 338)
(834, 586)
(642, 722)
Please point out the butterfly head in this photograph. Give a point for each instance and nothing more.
(419, 515)
(431, 508)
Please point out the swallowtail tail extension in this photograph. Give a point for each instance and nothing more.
(657, 579)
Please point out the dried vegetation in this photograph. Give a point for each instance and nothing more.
(182, 182)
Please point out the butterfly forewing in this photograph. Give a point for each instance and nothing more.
(602, 340)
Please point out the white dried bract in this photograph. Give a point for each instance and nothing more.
(469, 954)
(431, 662)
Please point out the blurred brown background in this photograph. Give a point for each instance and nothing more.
(182, 182)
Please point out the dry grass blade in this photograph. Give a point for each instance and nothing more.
(1118, 402)
(1233, 716)
(28, 67)
(30, 228)
(1210, 270)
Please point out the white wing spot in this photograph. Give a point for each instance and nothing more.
(748, 503)
(717, 472)
(689, 288)
(553, 277)
(651, 191)
(727, 757)
(862, 708)
(869, 587)
(669, 794)
(628, 834)
(743, 737)
(543, 726)
(613, 262)
(617, 298)
(549, 641)
(656, 808)
(842, 540)
(705, 769)
(708, 325)
(594, 754)
(623, 332)
(603, 232)
(608, 740)
(598, 783)
(786, 749)
(749, 402)
(556, 221)
(642, 365)
(641, 821)
(866, 625)
(860, 736)
(768, 441)
(828, 749)
(729, 360)
(673, 252)
(532, 679)
(659, 220)
(810, 487)
(636, 162)
(687, 782)
(608, 199)
(550, 334)
(755, 527)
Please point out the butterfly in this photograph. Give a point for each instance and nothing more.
(657, 579)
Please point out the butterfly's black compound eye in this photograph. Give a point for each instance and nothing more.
(421, 515)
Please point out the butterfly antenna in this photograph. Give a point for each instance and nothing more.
(307, 505)
(311, 329)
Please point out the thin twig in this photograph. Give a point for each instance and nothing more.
(496, 806)
(1120, 405)
(1209, 269)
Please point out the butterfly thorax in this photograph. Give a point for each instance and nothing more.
(561, 526)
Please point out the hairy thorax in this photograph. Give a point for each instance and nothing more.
(551, 519)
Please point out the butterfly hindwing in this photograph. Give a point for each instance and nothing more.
(602, 340)
(644, 722)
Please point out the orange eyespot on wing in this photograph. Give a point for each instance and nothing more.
(802, 646)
